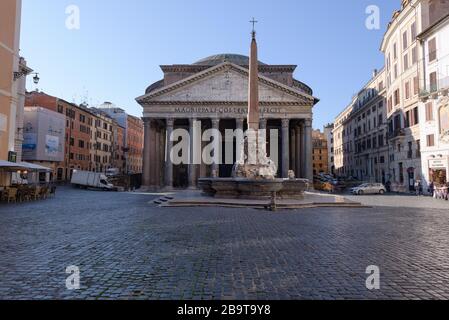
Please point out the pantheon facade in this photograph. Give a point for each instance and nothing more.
(214, 91)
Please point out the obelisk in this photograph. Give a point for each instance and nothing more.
(253, 87)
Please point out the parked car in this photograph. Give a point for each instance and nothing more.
(369, 188)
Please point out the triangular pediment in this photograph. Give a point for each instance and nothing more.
(225, 83)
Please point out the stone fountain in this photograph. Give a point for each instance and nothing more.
(254, 175)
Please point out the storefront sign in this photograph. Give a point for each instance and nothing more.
(438, 163)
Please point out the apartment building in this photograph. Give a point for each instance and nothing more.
(78, 132)
(12, 81)
(360, 134)
(102, 141)
(320, 159)
(328, 133)
(434, 103)
(381, 134)
(134, 144)
(133, 126)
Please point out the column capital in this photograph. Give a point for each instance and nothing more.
(285, 123)
(308, 122)
(170, 122)
(215, 122)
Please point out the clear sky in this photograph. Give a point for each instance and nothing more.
(117, 51)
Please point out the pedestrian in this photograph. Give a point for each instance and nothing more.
(388, 186)
(416, 187)
(431, 188)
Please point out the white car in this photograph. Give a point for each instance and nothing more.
(369, 188)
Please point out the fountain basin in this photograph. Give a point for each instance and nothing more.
(254, 189)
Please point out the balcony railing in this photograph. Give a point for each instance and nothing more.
(396, 133)
(429, 89)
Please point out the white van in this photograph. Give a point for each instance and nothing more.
(91, 180)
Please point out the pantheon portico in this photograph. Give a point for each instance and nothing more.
(214, 91)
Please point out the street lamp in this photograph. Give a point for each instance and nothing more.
(36, 78)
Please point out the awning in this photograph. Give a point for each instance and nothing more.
(10, 166)
(34, 167)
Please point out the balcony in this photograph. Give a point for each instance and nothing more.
(397, 133)
(432, 90)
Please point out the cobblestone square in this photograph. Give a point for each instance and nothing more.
(128, 248)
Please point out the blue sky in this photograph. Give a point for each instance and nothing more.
(117, 51)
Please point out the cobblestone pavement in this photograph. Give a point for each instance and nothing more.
(126, 248)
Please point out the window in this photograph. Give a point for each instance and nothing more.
(60, 109)
(390, 104)
(432, 47)
(407, 90)
(415, 85)
(404, 40)
(81, 143)
(433, 82)
(430, 140)
(396, 97)
(395, 52)
(72, 142)
(418, 148)
(429, 111)
(413, 31)
(410, 150)
(406, 62)
(414, 55)
(395, 71)
(401, 173)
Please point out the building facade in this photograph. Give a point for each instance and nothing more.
(78, 131)
(360, 134)
(434, 103)
(12, 81)
(391, 151)
(93, 140)
(134, 144)
(329, 135)
(320, 153)
(102, 142)
(213, 93)
(133, 135)
(44, 138)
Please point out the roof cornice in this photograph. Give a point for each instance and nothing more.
(224, 66)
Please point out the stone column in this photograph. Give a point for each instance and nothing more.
(308, 150)
(298, 152)
(239, 147)
(153, 154)
(293, 150)
(303, 149)
(192, 166)
(146, 153)
(168, 162)
(215, 168)
(285, 147)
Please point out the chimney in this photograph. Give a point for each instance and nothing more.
(375, 73)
